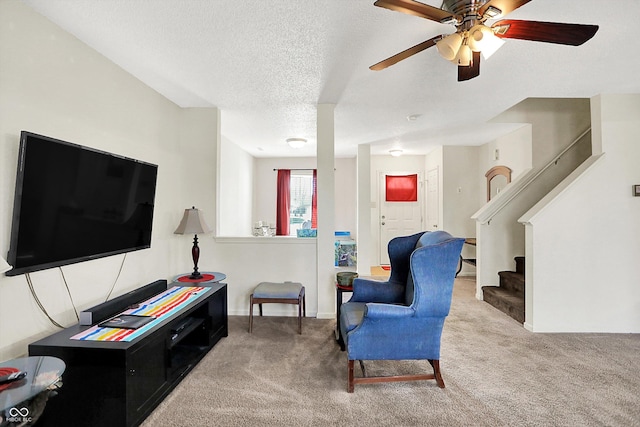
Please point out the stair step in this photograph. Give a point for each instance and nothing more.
(509, 302)
(519, 264)
(512, 281)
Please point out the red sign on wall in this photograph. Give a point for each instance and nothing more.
(401, 188)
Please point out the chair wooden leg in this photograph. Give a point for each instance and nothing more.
(260, 305)
(352, 380)
(364, 371)
(350, 376)
(250, 313)
(437, 373)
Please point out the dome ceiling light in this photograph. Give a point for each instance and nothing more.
(296, 142)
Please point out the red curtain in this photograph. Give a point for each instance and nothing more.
(401, 188)
(314, 200)
(283, 202)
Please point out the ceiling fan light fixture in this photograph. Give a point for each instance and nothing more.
(464, 56)
(296, 142)
(477, 36)
(482, 39)
(449, 46)
(491, 46)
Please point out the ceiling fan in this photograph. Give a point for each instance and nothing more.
(473, 37)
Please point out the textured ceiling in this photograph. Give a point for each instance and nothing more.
(267, 64)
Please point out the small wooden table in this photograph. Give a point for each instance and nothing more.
(471, 241)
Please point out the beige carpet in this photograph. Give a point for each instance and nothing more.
(496, 374)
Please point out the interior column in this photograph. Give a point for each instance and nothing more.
(326, 211)
(363, 209)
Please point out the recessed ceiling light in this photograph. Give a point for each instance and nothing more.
(395, 152)
(296, 142)
(413, 117)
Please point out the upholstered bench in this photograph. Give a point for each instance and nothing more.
(282, 293)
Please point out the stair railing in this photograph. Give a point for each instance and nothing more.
(511, 191)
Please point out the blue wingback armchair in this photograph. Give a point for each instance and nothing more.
(402, 318)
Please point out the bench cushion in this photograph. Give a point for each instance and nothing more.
(288, 290)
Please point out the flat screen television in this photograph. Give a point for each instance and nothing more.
(74, 203)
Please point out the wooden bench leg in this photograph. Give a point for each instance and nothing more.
(250, 313)
(300, 316)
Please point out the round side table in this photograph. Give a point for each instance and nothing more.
(207, 277)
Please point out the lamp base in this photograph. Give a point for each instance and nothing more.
(195, 275)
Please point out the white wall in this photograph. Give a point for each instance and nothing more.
(252, 260)
(514, 151)
(460, 189)
(556, 122)
(54, 85)
(235, 190)
(585, 241)
(346, 195)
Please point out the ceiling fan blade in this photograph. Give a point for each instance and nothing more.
(415, 8)
(405, 54)
(548, 32)
(470, 71)
(505, 6)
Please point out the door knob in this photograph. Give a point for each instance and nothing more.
(383, 223)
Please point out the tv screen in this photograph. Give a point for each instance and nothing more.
(74, 203)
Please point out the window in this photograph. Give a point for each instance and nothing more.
(296, 205)
(300, 196)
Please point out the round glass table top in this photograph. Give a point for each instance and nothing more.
(42, 372)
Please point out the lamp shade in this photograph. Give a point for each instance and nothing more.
(192, 223)
(448, 47)
(464, 55)
(4, 265)
(482, 39)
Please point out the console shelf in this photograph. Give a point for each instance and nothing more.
(120, 383)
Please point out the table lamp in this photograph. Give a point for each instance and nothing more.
(193, 223)
(4, 265)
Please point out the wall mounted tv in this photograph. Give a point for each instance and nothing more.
(74, 203)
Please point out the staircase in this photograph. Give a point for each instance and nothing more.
(509, 296)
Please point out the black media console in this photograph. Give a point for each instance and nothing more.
(120, 383)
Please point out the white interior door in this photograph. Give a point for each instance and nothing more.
(398, 218)
(433, 200)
